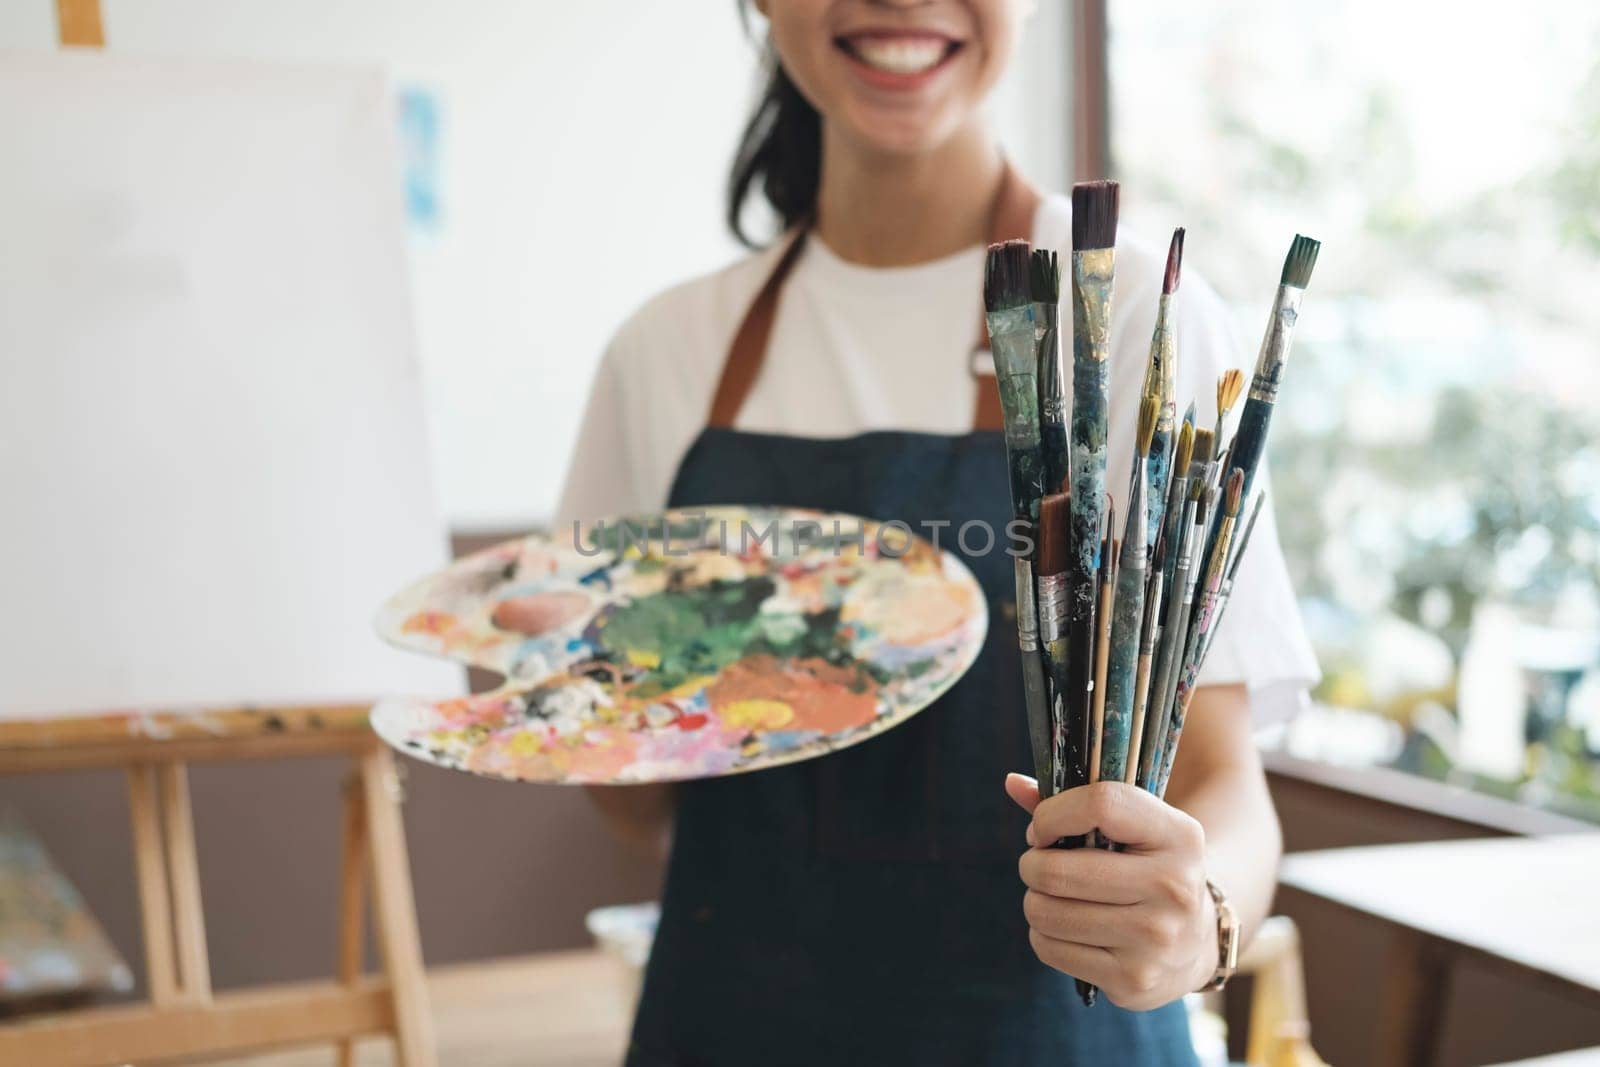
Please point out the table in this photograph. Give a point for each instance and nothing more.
(1524, 904)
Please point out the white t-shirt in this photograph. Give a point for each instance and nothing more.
(857, 348)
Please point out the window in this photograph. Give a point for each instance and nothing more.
(1436, 449)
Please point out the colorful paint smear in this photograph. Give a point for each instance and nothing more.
(684, 645)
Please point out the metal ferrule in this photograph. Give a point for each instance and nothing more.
(1275, 344)
(1011, 343)
(1160, 376)
(1052, 607)
(1135, 533)
(1092, 274)
(1027, 613)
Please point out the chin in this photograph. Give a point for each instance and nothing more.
(900, 135)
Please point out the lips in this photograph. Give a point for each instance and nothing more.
(899, 56)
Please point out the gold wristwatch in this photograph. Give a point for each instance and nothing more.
(1227, 939)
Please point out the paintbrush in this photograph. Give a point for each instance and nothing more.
(1177, 494)
(1229, 385)
(1008, 304)
(1044, 283)
(1094, 231)
(1049, 734)
(1106, 595)
(1251, 437)
(1035, 700)
(1180, 603)
(1147, 649)
(1205, 620)
(1160, 380)
(1101, 623)
(1128, 621)
(1232, 567)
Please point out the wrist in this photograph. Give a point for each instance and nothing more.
(1204, 968)
(1225, 924)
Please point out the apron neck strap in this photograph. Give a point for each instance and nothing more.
(1011, 217)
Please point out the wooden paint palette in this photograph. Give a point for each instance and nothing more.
(685, 645)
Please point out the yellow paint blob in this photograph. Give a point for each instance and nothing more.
(756, 714)
(524, 744)
(643, 658)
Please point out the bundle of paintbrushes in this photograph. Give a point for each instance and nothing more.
(1115, 623)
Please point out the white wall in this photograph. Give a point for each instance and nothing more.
(584, 148)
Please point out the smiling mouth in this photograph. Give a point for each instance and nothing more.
(903, 55)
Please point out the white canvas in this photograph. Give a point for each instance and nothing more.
(213, 465)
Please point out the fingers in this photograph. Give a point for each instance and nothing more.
(1023, 790)
(1089, 962)
(1085, 874)
(1123, 813)
(1083, 923)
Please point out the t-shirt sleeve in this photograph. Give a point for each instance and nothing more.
(601, 479)
(1261, 641)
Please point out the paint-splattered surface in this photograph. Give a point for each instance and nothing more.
(49, 943)
(742, 639)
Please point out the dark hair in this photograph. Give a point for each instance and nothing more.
(781, 147)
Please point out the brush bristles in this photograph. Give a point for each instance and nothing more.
(1297, 266)
(1234, 493)
(1094, 215)
(1203, 444)
(1229, 386)
(1149, 408)
(1180, 465)
(1169, 284)
(1044, 276)
(1005, 276)
(1055, 515)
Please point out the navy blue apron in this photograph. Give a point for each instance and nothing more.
(865, 907)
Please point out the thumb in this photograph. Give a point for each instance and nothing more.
(1023, 790)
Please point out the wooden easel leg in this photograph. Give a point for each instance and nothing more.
(155, 903)
(352, 898)
(183, 872)
(395, 911)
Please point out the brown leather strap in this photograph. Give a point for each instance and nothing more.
(1012, 217)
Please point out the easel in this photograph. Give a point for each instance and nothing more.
(183, 1018)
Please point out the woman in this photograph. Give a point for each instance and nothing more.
(865, 907)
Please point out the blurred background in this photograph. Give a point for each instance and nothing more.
(1436, 455)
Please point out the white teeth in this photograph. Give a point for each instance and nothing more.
(899, 55)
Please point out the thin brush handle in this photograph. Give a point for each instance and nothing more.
(1205, 619)
(1158, 468)
(1127, 621)
(1092, 278)
(1102, 651)
(1170, 751)
(1052, 601)
(1034, 701)
(1179, 603)
(1142, 679)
